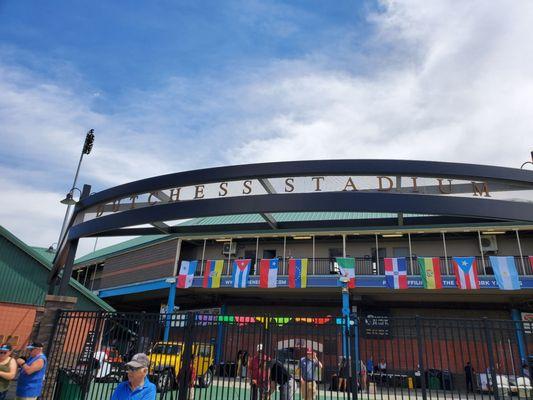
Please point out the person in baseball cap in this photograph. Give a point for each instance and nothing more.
(32, 372)
(8, 369)
(35, 345)
(137, 386)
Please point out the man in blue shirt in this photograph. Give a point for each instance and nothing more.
(309, 375)
(32, 371)
(137, 387)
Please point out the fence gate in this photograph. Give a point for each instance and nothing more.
(207, 356)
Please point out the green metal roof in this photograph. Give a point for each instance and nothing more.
(45, 253)
(129, 245)
(25, 273)
(287, 217)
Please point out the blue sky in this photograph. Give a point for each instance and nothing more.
(177, 85)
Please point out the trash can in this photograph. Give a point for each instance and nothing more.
(434, 379)
(67, 388)
(447, 380)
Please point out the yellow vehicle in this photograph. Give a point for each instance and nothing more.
(165, 363)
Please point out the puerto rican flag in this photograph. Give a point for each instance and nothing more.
(241, 270)
(396, 273)
(186, 274)
(268, 273)
(465, 269)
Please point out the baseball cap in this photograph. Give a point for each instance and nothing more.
(6, 347)
(34, 345)
(139, 360)
(309, 350)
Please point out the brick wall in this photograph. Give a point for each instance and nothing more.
(16, 323)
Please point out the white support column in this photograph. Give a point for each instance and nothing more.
(520, 252)
(410, 253)
(344, 245)
(481, 251)
(228, 271)
(377, 254)
(445, 253)
(314, 270)
(256, 255)
(284, 252)
(203, 259)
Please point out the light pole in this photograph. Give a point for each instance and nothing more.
(345, 292)
(69, 198)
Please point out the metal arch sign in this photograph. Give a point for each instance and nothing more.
(396, 186)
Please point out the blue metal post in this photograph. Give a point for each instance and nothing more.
(515, 314)
(220, 336)
(346, 317)
(170, 308)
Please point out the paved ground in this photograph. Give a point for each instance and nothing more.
(238, 390)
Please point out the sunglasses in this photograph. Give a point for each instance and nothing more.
(132, 369)
(4, 352)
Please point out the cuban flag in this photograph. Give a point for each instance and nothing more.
(268, 273)
(465, 269)
(241, 270)
(298, 273)
(396, 273)
(186, 274)
(212, 273)
(505, 272)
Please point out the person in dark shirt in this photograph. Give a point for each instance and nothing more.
(469, 376)
(281, 376)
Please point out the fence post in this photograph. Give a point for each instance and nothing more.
(184, 373)
(353, 333)
(420, 342)
(492, 365)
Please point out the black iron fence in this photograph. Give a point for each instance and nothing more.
(208, 356)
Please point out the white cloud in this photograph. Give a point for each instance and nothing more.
(442, 80)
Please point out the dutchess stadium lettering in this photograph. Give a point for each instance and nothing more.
(383, 184)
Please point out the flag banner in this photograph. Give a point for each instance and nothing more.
(396, 272)
(298, 273)
(347, 269)
(186, 274)
(212, 273)
(430, 272)
(465, 269)
(241, 270)
(268, 273)
(505, 272)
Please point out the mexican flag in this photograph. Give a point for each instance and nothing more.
(347, 269)
(430, 272)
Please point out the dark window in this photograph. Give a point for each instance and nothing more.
(269, 253)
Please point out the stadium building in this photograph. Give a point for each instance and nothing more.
(372, 212)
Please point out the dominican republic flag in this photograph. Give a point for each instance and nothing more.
(241, 270)
(347, 269)
(465, 272)
(268, 273)
(298, 273)
(396, 273)
(186, 275)
(505, 272)
(212, 273)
